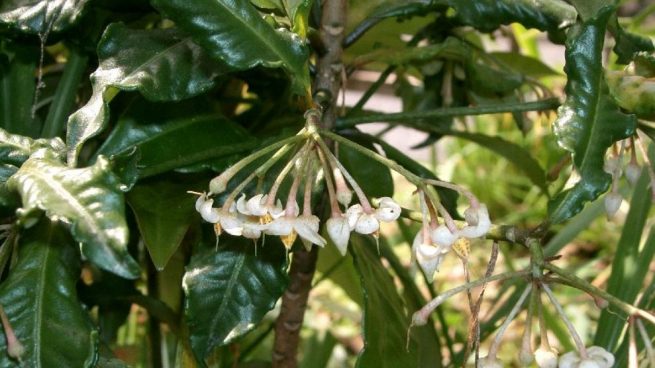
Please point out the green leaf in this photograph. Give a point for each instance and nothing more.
(40, 300)
(523, 64)
(17, 86)
(589, 121)
(162, 64)
(298, 12)
(175, 135)
(230, 290)
(488, 15)
(88, 198)
(40, 17)
(236, 33)
(16, 149)
(163, 212)
(373, 177)
(628, 44)
(630, 265)
(385, 321)
(590, 9)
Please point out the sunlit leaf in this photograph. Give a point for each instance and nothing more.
(589, 121)
(88, 198)
(40, 17)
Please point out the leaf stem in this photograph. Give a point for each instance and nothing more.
(541, 105)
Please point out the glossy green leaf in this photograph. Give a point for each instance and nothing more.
(40, 17)
(88, 198)
(488, 15)
(385, 321)
(162, 64)
(16, 149)
(589, 121)
(628, 44)
(230, 290)
(235, 32)
(630, 266)
(40, 300)
(634, 93)
(163, 212)
(373, 177)
(175, 135)
(589, 9)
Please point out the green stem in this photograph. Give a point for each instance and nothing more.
(581, 284)
(65, 93)
(546, 104)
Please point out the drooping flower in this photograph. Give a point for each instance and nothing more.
(545, 358)
(339, 231)
(597, 357)
(479, 228)
(428, 256)
(388, 210)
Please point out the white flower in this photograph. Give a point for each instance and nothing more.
(388, 210)
(481, 227)
(230, 222)
(612, 203)
(288, 226)
(367, 224)
(307, 227)
(428, 256)
(632, 172)
(546, 358)
(257, 206)
(490, 362)
(443, 237)
(597, 357)
(339, 232)
(200, 201)
(209, 213)
(352, 215)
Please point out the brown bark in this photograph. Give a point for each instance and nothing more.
(303, 265)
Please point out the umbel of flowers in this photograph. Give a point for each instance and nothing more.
(305, 160)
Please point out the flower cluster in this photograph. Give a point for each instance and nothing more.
(309, 161)
(434, 240)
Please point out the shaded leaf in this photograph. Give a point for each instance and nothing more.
(589, 121)
(89, 199)
(644, 64)
(40, 17)
(525, 65)
(162, 64)
(634, 93)
(163, 212)
(175, 135)
(627, 44)
(230, 290)
(40, 300)
(373, 177)
(223, 27)
(385, 322)
(488, 15)
(630, 265)
(17, 86)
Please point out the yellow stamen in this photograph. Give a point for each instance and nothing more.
(288, 240)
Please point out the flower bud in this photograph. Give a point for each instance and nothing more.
(367, 224)
(339, 232)
(344, 194)
(611, 165)
(612, 203)
(632, 172)
(255, 205)
(427, 255)
(230, 223)
(471, 216)
(200, 201)
(545, 358)
(218, 184)
(388, 210)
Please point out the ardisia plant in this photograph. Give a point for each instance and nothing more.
(194, 183)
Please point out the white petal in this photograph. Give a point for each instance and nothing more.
(252, 230)
(388, 210)
(209, 213)
(242, 207)
(295, 210)
(230, 223)
(612, 203)
(352, 215)
(442, 236)
(307, 228)
(569, 360)
(589, 363)
(632, 172)
(367, 224)
(489, 362)
(483, 226)
(339, 232)
(601, 356)
(545, 358)
(200, 201)
(427, 255)
(277, 210)
(255, 205)
(281, 226)
(471, 216)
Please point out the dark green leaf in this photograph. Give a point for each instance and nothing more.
(88, 198)
(644, 64)
(385, 321)
(630, 265)
(236, 33)
(163, 211)
(162, 64)
(488, 15)
(589, 121)
(40, 17)
(17, 85)
(634, 93)
(41, 303)
(373, 177)
(628, 44)
(175, 135)
(228, 291)
(487, 80)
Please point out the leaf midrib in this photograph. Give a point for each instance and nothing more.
(227, 295)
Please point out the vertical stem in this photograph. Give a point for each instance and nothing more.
(65, 93)
(303, 264)
(154, 333)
